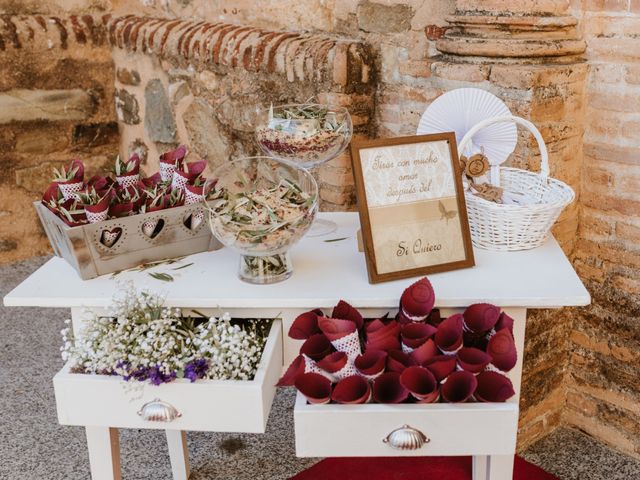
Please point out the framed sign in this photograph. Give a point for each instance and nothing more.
(412, 209)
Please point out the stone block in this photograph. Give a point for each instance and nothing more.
(206, 135)
(158, 116)
(20, 105)
(40, 140)
(95, 134)
(128, 76)
(127, 107)
(381, 18)
(464, 72)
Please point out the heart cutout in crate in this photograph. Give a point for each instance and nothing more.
(152, 228)
(109, 238)
(193, 220)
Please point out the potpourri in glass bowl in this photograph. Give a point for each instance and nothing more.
(260, 207)
(304, 134)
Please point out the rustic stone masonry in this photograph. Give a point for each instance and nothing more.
(198, 83)
(56, 104)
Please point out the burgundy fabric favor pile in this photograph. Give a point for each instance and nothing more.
(102, 197)
(415, 357)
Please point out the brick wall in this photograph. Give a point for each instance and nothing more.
(603, 397)
(56, 103)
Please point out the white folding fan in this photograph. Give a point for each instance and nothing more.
(459, 110)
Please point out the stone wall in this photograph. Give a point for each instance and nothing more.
(56, 103)
(604, 397)
(200, 83)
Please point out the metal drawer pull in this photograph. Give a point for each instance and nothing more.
(406, 438)
(158, 411)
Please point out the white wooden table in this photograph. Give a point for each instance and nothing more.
(325, 272)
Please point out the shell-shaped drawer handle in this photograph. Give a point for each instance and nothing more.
(158, 411)
(406, 438)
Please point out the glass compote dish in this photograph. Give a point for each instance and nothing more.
(308, 135)
(260, 207)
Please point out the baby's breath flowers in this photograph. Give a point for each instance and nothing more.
(141, 339)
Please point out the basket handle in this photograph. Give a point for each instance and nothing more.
(544, 155)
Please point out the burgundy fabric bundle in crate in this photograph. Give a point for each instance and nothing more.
(415, 357)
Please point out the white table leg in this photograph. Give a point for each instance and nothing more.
(500, 467)
(479, 467)
(104, 453)
(178, 453)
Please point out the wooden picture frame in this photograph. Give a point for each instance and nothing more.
(412, 209)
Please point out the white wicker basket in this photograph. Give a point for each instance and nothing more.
(509, 227)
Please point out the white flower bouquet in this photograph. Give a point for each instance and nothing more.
(141, 339)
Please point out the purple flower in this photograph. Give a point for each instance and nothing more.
(157, 377)
(196, 369)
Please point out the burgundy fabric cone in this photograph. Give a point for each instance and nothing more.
(371, 362)
(415, 334)
(504, 321)
(346, 312)
(441, 366)
(480, 317)
(335, 328)
(473, 360)
(448, 337)
(417, 300)
(352, 390)
(493, 387)
(295, 369)
(305, 325)
(502, 348)
(387, 388)
(424, 352)
(458, 387)
(315, 387)
(333, 362)
(421, 383)
(381, 336)
(316, 347)
(397, 361)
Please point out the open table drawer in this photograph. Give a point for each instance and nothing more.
(359, 430)
(206, 405)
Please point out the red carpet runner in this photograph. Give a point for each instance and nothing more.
(409, 468)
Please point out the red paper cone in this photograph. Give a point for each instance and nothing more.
(417, 301)
(295, 369)
(458, 387)
(381, 336)
(424, 352)
(371, 363)
(316, 347)
(305, 325)
(387, 389)
(480, 317)
(504, 321)
(315, 387)
(441, 366)
(397, 361)
(448, 337)
(502, 349)
(169, 161)
(335, 328)
(351, 390)
(473, 360)
(333, 362)
(415, 334)
(346, 312)
(421, 383)
(493, 387)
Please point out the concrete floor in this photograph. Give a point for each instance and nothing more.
(33, 445)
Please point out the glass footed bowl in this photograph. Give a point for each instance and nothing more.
(304, 134)
(260, 207)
